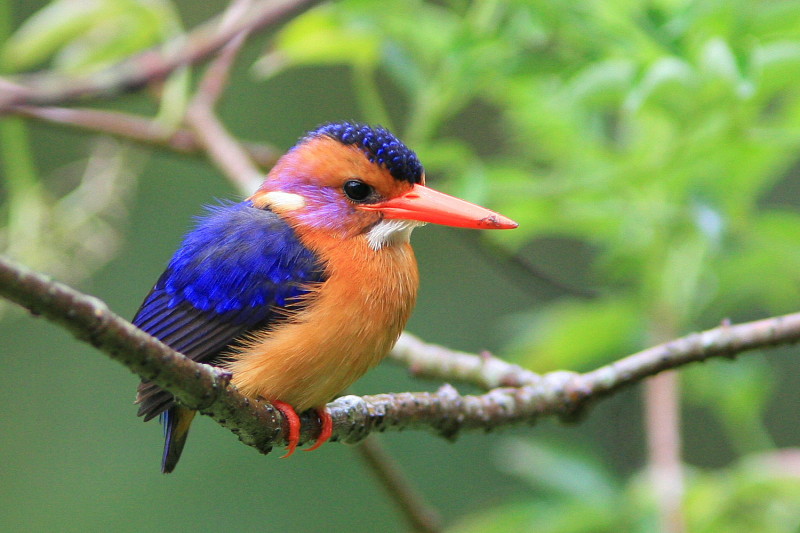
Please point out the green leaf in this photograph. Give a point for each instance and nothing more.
(602, 82)
(48, 30)
(88, 36)
(760, 493)
(546, 516)
(777, 64)
(558, 470)
(668, 78)
(175, 98)
(520, 516)
(319, 37)
(717, 59)
(577, 334)
(765, 266)
(737, 394)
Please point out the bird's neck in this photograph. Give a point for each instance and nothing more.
(351, 321)
(376, 255)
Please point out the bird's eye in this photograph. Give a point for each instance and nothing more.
(357, 190)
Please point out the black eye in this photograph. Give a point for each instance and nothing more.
(356, 190)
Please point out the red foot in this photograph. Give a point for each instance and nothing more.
(326, 428)
(293, 420)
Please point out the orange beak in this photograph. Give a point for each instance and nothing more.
(427, 205)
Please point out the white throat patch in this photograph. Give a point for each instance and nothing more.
(389, 232)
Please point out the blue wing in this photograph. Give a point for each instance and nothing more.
(233, 273)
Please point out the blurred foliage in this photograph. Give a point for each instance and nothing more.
(655, 133)
(88, 35)
(71, 227)
(570, 493)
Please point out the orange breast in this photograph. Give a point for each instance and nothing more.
(353, 320)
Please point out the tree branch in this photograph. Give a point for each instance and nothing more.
(149, 66)
(437, 362)
(420, 517)
(222, 148)
(197, 386)
(445, 412)
(138, 129)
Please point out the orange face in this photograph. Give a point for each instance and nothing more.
(314, 183)
(327, 185)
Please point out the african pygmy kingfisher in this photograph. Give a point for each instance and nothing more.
(307, 284)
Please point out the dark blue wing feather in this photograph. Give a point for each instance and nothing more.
(232, 274)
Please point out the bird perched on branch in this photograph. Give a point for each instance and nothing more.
(304, 286)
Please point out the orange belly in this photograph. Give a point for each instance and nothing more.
(350, 323)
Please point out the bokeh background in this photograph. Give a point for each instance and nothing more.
(648, 149)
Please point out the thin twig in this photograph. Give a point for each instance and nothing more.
(662, 421)
(518, 269)
(399, 489)
(445, 412)
(217, 74)
(138, 129)
(152, 65)
(662, 425)
(223, 149)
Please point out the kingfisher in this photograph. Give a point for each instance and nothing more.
(304, 286)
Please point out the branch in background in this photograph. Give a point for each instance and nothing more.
(218, 72)
(517, 269)
(139, 129)
(437, 362)
(420, 517)
(149, 66)
(662, 422)
(222, 148)
(201, 387)
(662, 417)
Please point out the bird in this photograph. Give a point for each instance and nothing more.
(305, 285)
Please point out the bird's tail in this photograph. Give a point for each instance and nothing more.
(176, 422)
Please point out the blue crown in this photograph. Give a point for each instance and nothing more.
(379, 145)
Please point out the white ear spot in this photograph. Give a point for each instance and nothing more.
(284, 201)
